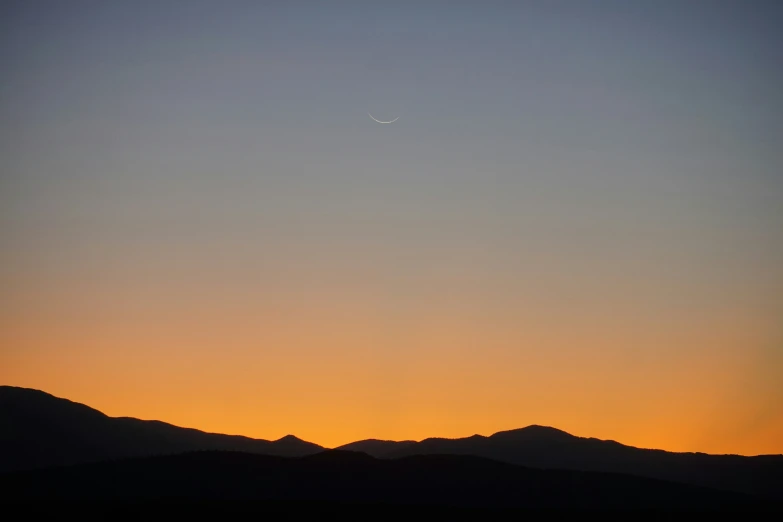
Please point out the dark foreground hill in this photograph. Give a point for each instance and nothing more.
(39, 430)
(550, 448)
(346, 481)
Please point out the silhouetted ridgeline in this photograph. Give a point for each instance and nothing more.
(543, 447)
(38, 430)
(348, 479)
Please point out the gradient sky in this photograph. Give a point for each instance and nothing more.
(577, 220)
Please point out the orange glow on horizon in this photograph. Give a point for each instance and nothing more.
(338, 374)
(576, 221)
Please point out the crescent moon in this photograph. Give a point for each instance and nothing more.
(379, 121)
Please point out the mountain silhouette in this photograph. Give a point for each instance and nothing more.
(347, 482)
(550, 448)
(375, 447)
(40, 430)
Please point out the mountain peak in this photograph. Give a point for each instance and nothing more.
(543, 429)
(289, 438)
(534, 431)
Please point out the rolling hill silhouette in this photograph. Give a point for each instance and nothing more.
(550, 448)
(38, 430)
(349, 481)
(377, 448)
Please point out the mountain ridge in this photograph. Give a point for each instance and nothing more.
(526, 429)
(38, 430)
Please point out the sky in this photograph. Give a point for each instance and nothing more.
(576, 221)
